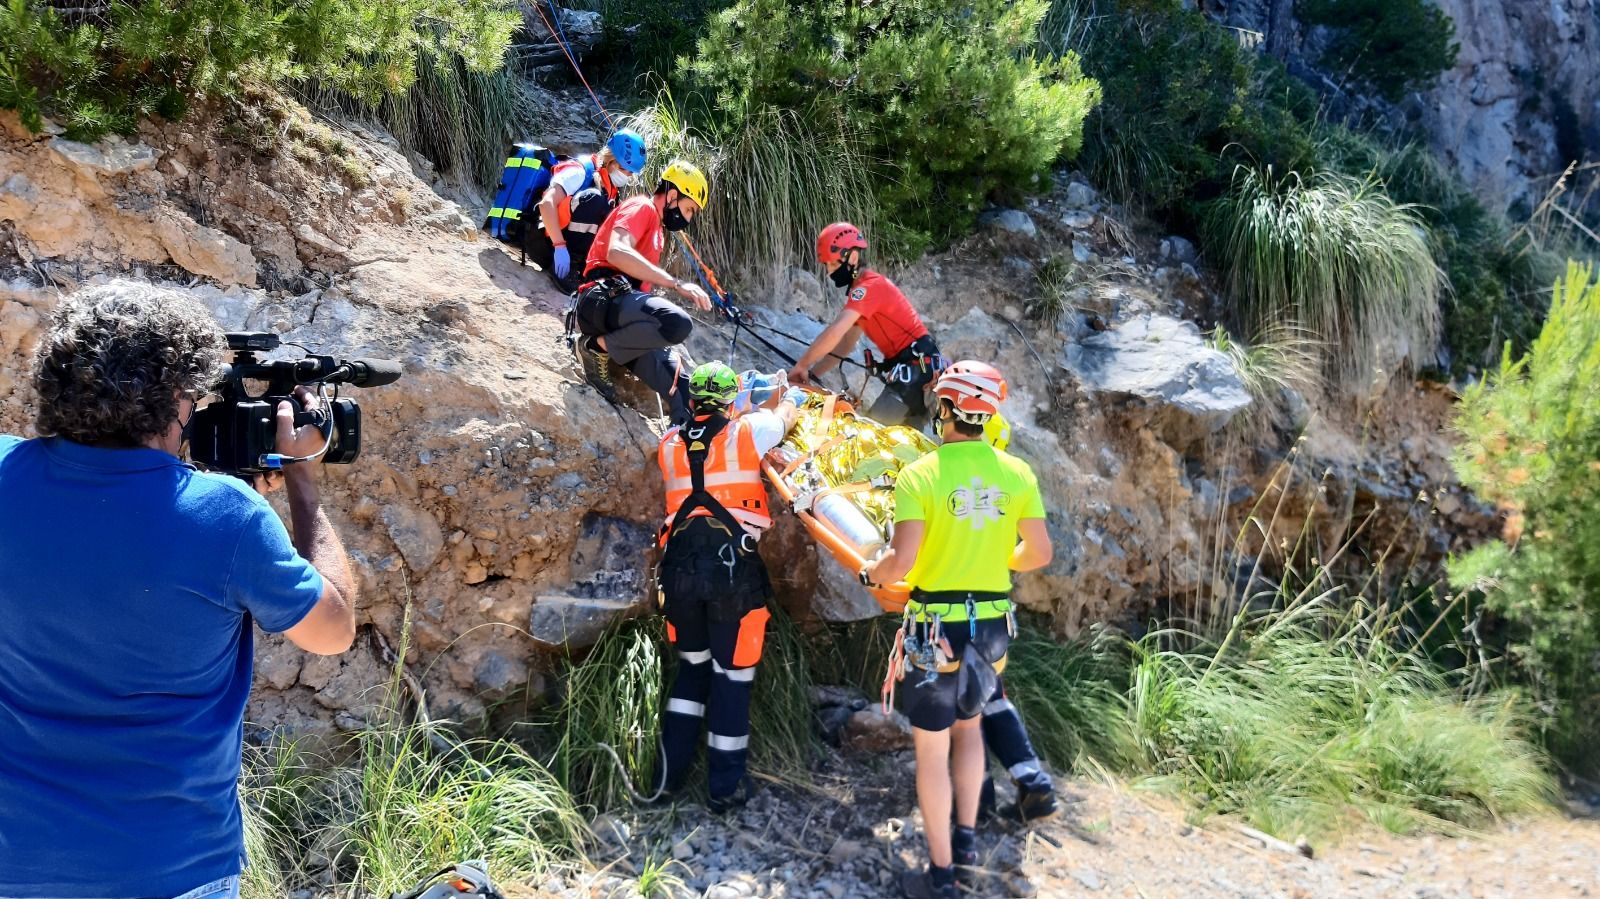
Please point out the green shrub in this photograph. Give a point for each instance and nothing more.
(947, 94)
(1183, 102)
(103, 68)
(1531, 438)
(1334, 254)
(647, 37)
(1394, 46)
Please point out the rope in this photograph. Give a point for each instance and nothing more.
(627, 781)
(561, 41)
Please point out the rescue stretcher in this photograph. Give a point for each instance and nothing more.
(836, 470)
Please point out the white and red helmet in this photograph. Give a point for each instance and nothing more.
(974, 389)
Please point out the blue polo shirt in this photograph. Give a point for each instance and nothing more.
(128, 583)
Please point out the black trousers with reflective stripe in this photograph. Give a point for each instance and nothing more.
(1007, 738)
(716, 673)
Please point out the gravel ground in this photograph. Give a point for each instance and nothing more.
(851, 831)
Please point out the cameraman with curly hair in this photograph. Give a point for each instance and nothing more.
(129, 583)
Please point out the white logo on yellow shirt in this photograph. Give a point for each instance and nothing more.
(978, 503)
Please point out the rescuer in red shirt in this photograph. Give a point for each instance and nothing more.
(877, 308)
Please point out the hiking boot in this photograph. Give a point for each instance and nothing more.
(1032, 805)
(927, 885)
(597, 367)
(922, 885)
(722, 805)
(964, 852)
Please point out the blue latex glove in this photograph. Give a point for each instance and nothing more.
(563, 261)
(795, 395)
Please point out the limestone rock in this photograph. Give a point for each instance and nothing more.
(1165, 363)
(870, 730)
(1081, 195)
(205, 251)
(415, 533)
(1010, 221)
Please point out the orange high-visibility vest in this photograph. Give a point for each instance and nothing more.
(732, 469)
(593, 174)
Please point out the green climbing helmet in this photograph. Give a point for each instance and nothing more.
(713, 384)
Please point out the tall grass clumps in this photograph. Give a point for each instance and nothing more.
(613, 696)
(424, 800)
(774, 184)
(1303, 719)
(401, 800)
(782, 741)
(1284, 357)
(1531, 444)
(101, 67)
(1071, 696)
(1336, 254)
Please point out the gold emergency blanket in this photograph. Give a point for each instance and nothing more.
(851, 449)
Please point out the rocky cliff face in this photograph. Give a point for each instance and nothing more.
(507, 512)
(1522, 101)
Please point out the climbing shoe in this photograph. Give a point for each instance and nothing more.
(1032, 805)
(933, 883)
(596, 367)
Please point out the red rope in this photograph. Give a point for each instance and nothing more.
(563, 44)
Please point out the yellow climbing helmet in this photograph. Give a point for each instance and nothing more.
(997, 431)
(689, 180)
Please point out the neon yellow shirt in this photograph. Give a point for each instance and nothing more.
(970, 499)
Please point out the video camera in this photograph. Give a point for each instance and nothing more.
(237, 433)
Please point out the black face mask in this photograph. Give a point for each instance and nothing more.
(673, 219)
(842, 276)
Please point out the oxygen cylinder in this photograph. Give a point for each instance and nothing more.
(849, 521)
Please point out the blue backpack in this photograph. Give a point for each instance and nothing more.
(526, 175)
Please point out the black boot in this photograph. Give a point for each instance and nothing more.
(964, 852)
(721, 805)
(934, 883)
(1033, 805)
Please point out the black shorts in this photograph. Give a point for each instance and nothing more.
(932, 706)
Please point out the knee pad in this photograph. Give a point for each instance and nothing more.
(676, 326)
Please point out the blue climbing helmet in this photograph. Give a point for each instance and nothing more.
(628, 149)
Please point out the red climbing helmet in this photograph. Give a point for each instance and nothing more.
(838, 239)
(975, 389)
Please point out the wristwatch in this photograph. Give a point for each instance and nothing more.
(866, 579)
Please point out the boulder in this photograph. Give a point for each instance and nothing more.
(1190, 389)
(870, 730)
(1081, 195)
(1011, 221)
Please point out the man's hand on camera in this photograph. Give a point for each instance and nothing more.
(306, 440)
(267, 482)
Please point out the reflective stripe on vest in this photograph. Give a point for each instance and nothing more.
(502, 212)
(733, 477)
